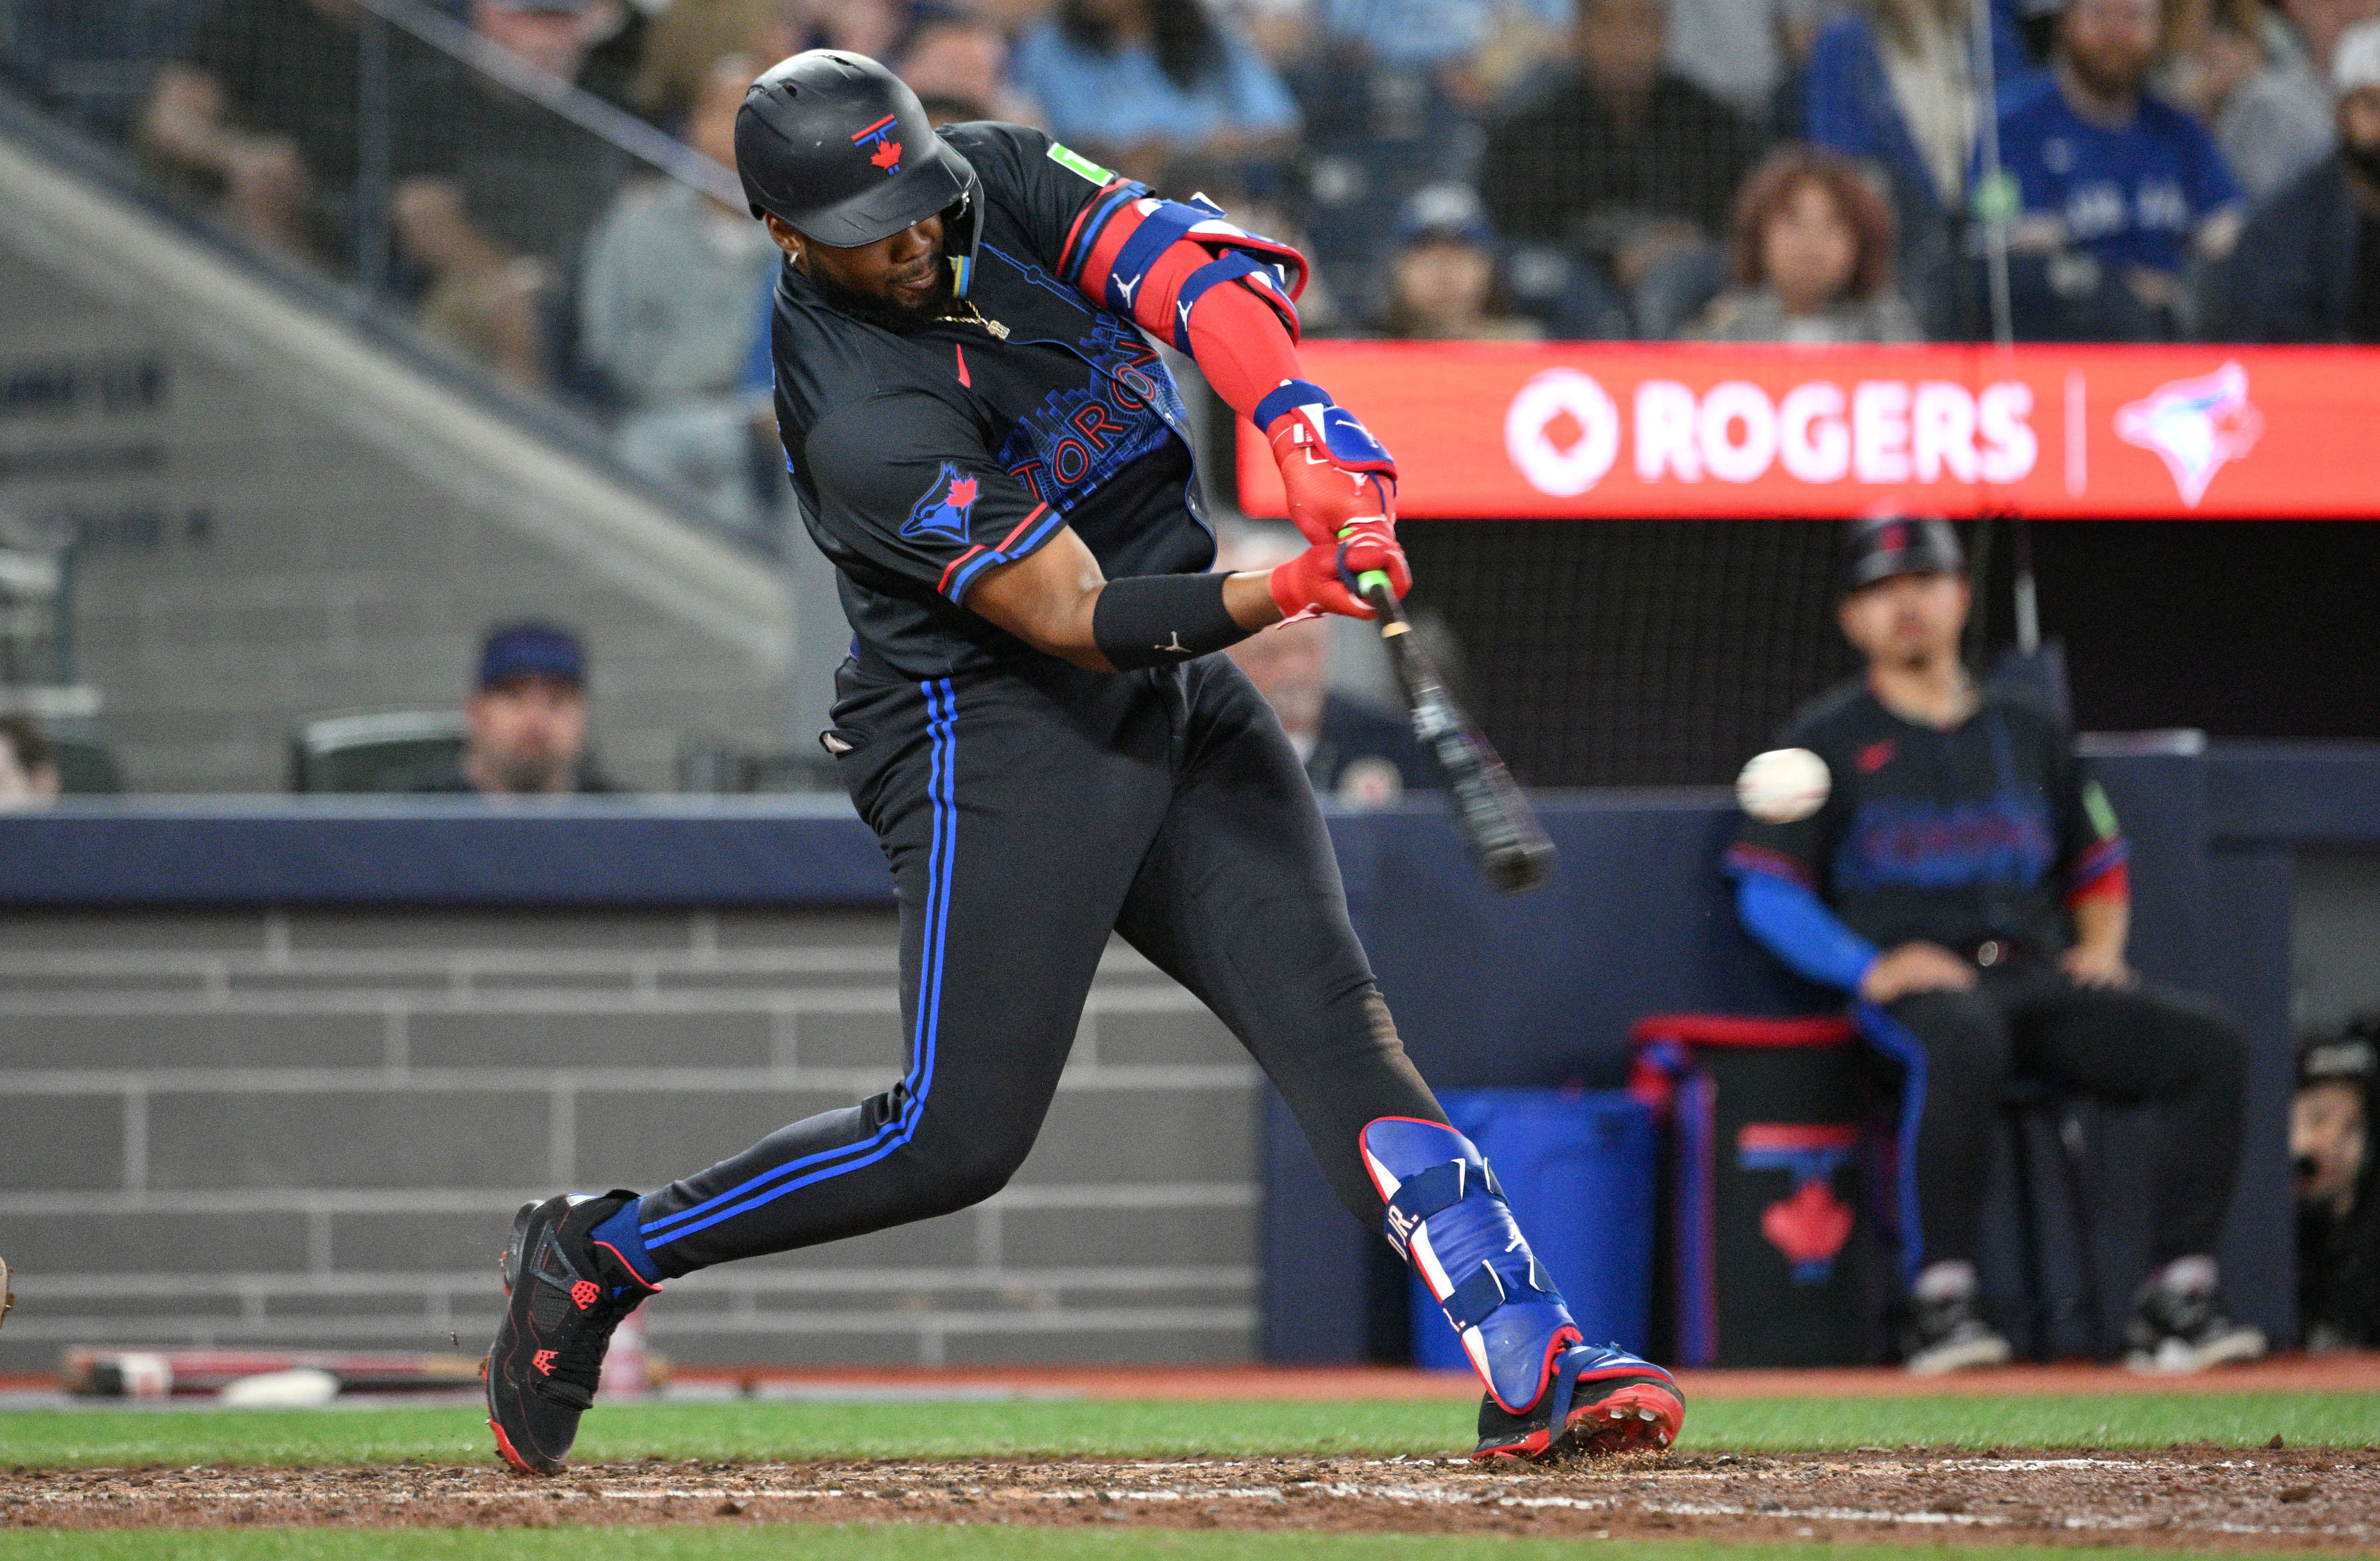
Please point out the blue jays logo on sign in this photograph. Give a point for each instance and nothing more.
(887, 152)
(943, 511)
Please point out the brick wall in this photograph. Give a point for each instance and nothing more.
(312, 1128)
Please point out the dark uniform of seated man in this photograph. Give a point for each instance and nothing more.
(1964, 879)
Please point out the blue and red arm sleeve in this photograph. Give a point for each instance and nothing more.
(1790, 921)
(2101, 872)
(2092, 856)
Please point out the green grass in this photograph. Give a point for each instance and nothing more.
(1048, 1429)
(933, 1543)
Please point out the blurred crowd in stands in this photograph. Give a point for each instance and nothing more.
(1731, 170)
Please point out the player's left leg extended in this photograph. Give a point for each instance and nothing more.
(1013, 809)
(1240, 900)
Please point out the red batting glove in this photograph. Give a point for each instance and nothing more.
(1325, 576)
(1334, 470)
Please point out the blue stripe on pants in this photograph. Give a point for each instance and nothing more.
(941, 710)
(1891, 1037)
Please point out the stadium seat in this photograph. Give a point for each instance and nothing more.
(375, 751)
(86, 767)
(716, 768)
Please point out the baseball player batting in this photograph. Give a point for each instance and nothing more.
(1034, 722)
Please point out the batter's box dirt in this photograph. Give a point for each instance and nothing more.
(2214, 1499)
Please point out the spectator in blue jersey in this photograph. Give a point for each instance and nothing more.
(1140, 84)
(1955, 870)
(2121, 192)
(1895, 83)
(2308, 265)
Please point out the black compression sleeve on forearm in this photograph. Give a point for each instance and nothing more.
(1156, 620)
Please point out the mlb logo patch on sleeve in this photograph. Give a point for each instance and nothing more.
(1074, 162)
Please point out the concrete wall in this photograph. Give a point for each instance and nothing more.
(277, 514)
(313, 1128)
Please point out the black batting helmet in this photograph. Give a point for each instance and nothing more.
(838, 147)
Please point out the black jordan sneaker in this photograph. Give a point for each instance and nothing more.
(564, 1296)
(2174, 1329)
(1949, 1335)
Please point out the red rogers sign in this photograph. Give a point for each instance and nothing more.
(1624, 430)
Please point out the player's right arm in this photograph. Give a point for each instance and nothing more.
(907, 488)
(1185, 273)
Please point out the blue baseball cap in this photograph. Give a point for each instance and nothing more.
(1444, 211)
(532, 650)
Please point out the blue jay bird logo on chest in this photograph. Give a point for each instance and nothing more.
(944, 510)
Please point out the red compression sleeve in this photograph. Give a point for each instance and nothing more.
(1242, 346)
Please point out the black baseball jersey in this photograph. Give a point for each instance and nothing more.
(1983, 831)
(924, 459)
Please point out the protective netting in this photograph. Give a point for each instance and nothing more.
(1632, 653)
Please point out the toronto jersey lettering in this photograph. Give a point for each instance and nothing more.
(1985, 831)
(924, 460)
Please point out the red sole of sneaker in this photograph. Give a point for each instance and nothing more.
(1616, 1423)
(505, 1445)
(1642, 1414)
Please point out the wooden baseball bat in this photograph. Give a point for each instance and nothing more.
(1494, 818)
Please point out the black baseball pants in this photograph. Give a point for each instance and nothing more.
(1961, 1050)
(1029, 814)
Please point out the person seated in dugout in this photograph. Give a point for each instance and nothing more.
(527, 714)
(1958, 873)
(2338, 1187)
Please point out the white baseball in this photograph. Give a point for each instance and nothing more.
(1783, 785)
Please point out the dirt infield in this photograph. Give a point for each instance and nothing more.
(2212, 1499)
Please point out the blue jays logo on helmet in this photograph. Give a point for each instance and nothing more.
(886, 152)
(944, 510)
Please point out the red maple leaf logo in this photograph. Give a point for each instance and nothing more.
(886, 155)
(1809, 1226)
(962, 493)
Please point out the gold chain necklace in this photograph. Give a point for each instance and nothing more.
(974, 317)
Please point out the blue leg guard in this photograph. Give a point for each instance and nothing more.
(1449, 1219)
